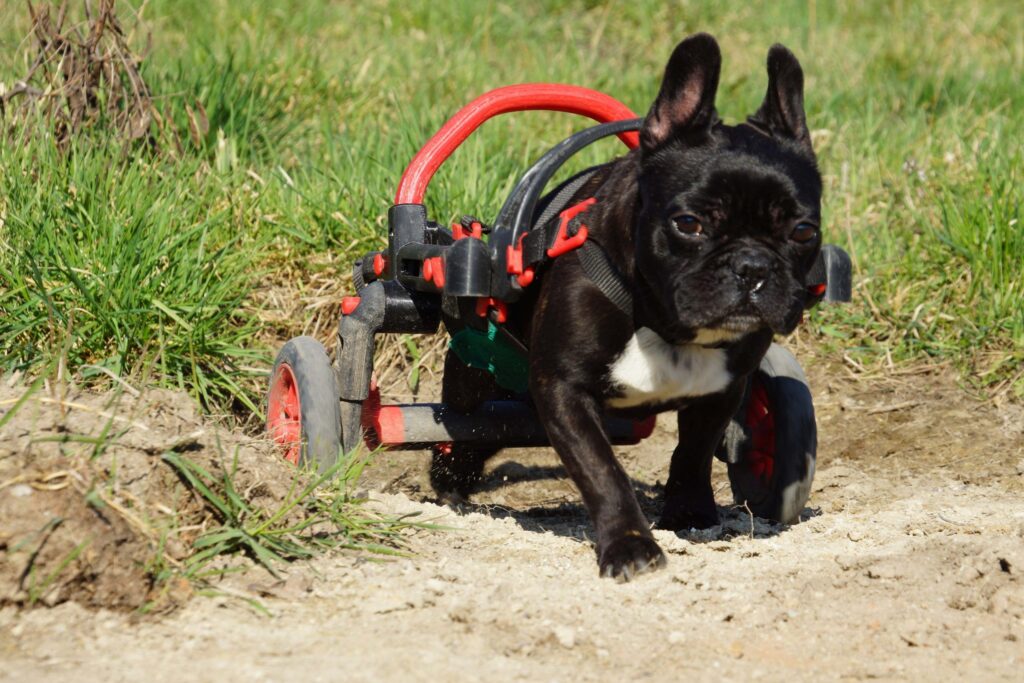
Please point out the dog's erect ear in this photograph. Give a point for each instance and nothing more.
(782, 112)
(686, 102)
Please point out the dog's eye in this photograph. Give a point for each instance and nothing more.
(804, 232)
(688, 224)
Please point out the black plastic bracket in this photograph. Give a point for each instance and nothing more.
(832, 274)
(384, 306)
(838, 274)
(353, 365)
(407, 224)
(468, 268)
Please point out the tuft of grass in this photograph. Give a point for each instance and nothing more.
(981, 229)
(131, 266)
(318, 515)
(37, 588)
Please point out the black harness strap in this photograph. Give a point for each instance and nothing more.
(603, 273)
(593, 258)
(554, 203)
(536, 242)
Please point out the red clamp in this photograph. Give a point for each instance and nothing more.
(433, 271)
(379, 264)
(486, 303)
(349, 304)
(514, 264)
(475, 230)
(564, 243)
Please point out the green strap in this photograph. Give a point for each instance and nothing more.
(490, 351)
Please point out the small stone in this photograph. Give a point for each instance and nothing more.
(175, 548)
(566, 636)
(24, 490)
(675, 638)
(435, 586)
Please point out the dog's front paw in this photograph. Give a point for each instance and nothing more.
(630, 556)
(693, 510)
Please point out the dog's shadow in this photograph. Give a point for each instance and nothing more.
(570, 519)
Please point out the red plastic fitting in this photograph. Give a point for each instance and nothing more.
(514, 264)
(433, 271)
(564, 243)
(644, 428)
(349, 304)
(486, 303)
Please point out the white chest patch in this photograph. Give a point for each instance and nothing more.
(650, 370)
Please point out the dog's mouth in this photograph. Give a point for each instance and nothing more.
(753, 315)
(746, 315)
(718, 333)
(741, 323)
(758, 310)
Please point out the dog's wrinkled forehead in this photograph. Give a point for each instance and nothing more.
(753, 150)
(736, 169)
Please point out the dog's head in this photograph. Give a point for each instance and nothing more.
(728, 221)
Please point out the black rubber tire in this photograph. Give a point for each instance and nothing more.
(782, 499)
(320, 414)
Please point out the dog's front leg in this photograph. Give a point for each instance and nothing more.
(625, 545)
(689, 498)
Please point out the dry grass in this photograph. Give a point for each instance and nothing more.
(83, 73)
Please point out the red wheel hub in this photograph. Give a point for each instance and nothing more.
(284, 413)
(761, 423)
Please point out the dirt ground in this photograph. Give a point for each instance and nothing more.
(86, 499)
(908, 565)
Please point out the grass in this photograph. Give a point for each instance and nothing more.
(159, 263)
(136, 271)
(319, 514)
(316, 516)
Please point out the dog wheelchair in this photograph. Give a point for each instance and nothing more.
(466, 276)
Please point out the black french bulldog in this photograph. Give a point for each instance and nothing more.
(714, 228)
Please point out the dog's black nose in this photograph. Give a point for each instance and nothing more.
(751, 268)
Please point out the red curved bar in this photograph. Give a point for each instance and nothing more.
(527, 96)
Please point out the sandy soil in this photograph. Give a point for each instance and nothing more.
(909, 565)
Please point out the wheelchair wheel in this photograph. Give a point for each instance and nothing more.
(771, 444)
(303, 412)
